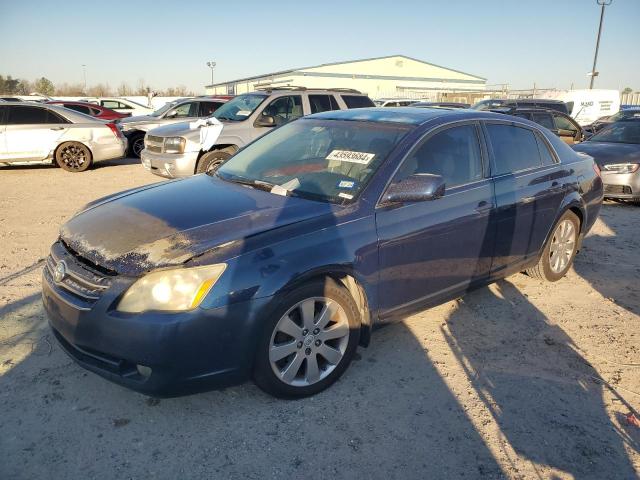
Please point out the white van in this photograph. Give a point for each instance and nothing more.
(587, 106)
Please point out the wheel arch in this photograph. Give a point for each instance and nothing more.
(55, 150)
(228, 148)
(347, 278)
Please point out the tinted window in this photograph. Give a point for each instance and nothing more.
(544, 119)
(357, 101)
(322, 103)
(284, 109)
(189, 109)
(95, 112)
(514, 148)
(32, 115)
(3, 114)
(621, 132)
(78, 108)
(207, 108)
(113, 104)
(564, 123)
(545, 154)
(453, 153)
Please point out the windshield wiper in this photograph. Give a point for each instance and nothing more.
(266, 186)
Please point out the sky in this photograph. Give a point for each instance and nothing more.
(514, 42)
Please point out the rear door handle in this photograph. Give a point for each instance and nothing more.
(56, 128)
(484, 207)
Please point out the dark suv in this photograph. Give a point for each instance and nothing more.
(279, 265)
(494, 103)
(561, 124)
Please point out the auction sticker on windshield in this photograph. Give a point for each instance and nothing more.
(353, 157)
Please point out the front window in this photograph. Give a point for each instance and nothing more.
(284, 109)
(622, 132)
(240, 108)
(325, 160)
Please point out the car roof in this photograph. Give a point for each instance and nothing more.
(407, 115)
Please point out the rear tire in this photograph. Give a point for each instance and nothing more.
(559, 251)
(73, 157)
(211, 161)
(308, 342)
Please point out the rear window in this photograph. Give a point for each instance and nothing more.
(545, 154)
(78, 108)
(357, 101)
(322, 103)
(544, 119)
(514, 148)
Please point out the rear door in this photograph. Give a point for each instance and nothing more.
(427, 250)
(32, 132)
(529, 187)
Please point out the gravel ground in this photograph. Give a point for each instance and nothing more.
(517, 380)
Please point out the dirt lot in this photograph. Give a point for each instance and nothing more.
(517, 380)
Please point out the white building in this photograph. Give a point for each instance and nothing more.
(394, 76)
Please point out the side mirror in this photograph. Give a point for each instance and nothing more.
(416, 188)
(265, 121)
(172, 114)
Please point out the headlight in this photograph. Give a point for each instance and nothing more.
(622, 167)
(174, 145)
(171, 290)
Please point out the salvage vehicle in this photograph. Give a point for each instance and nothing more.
(120, 105)
(280, 264)
(89, 109)
(179, 150)
(616, 150)
(135, 128)
(41, 133)
(493, 103)
(561, 124)
(626, 114)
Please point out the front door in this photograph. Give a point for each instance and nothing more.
(428, 250)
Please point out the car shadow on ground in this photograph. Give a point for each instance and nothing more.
(391, 414)
(546, 398)
(97, 165)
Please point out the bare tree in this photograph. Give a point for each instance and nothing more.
(124, 89)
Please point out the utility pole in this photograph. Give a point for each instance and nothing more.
(211, 65)
(84, 74)
(594, 73)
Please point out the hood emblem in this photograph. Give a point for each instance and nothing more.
(60, 271)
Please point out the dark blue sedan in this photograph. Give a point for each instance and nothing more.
(278, 266)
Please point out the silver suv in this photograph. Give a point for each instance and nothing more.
(175, 111)
(177, 151)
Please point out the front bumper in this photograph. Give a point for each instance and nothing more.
(160, 354)
(621, 185)
(169, 165)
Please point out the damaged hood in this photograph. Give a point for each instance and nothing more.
(168, 224)
(606, 153)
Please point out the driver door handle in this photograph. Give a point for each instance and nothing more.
(56, 128)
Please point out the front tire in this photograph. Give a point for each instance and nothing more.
(73, 157)
(211, 161)
(560, 250)
(308, 342)
(136, 145)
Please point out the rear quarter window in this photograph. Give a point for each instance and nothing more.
(357, 101)
(514, 148)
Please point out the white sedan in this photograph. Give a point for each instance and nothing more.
(40, 133)
(120, 105)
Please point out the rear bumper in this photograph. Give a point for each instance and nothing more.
(169, 165)
(622, 186)
(159, 354)
(110, 151)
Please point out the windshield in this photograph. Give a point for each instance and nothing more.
(326, 160)
(240, 107)
(621, 132)
(164, 108)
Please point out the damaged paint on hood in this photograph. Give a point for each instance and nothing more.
(170, 223)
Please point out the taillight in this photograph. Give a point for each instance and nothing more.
(596, 169)
(116, 131)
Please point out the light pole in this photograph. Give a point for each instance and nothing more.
(594, 73)
(211, 65)
(84, 74)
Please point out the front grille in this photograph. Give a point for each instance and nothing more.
(154, 139)
(617, 189)
(154, 148)
(81, 285)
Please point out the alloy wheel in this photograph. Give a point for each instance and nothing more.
(562, 246)
(309, 341)
(73, 156)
